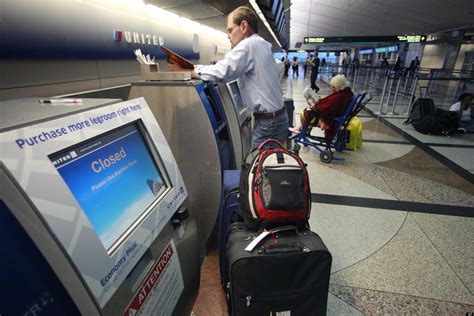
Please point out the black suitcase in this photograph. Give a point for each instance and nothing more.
(287, 273)
(421, 108)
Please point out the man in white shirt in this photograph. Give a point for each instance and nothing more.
(465, 113)
(250, 60)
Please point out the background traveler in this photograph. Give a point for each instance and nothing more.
(314, 71)
(464, 109)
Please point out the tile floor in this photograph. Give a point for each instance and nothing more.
(397, 216)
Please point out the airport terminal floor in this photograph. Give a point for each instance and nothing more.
(397, 216)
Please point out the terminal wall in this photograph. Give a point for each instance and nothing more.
(434, 56)
(40, 29)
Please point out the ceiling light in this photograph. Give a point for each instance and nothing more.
(264, 20)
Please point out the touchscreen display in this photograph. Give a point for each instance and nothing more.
(114, 177)
(236, 96)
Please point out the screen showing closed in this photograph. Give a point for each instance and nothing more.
(114, 178)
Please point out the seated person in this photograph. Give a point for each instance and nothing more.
(333, 105)
(465, 113)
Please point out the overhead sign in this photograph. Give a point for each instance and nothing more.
(386, 49)
(366, 39)
(81, 30)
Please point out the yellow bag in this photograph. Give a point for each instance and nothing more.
(354, 134)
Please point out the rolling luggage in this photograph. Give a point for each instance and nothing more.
(421, 108)
(354, 134)
(287, 273)
(227, 216)
(442, 123)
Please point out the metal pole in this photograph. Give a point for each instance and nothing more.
(457, 87)
(366, 77)
(396, 96)
(405, 78)
(371, 82)
(432, 84)
(356, 71)
(389, 91)
(383, 95)
(413, 90)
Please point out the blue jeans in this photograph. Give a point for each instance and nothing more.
(468, 125)
(276, 128)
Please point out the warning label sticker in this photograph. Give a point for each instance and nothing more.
(161, 288)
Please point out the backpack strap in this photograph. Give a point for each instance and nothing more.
(268, 141)
(280, 158)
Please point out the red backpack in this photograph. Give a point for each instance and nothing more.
(274, 188)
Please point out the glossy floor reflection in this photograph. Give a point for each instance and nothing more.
(397, 215)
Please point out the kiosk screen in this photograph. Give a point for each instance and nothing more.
(236, 96)
(114, 178)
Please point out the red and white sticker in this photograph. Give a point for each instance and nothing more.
(161, 288)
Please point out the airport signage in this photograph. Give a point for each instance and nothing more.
(137, 38)
(366, 51)
(36, 31)
(388, 49)
(366, 39)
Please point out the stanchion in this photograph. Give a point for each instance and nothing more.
(394, 104)
(412, 95)
(389, 91)
(382, 97)
(371, 82)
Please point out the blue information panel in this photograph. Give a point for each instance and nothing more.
(114, 178)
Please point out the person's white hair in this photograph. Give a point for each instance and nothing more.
(339, 82)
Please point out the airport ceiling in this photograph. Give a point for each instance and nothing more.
(323, 18)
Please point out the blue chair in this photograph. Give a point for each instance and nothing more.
(338, 139)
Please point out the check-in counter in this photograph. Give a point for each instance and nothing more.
(239, 120)
(193, 119)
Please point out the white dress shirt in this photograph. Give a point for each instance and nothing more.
(251, 61)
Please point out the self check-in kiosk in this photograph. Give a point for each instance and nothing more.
(239, 120)
(196, 124)
(93, 212)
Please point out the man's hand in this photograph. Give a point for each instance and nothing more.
(174, 67)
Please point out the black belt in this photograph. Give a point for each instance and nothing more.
(269, 115)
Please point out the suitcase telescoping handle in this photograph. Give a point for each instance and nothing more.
(282, 248)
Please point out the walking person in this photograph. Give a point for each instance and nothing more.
(295, 66)
(314, 71)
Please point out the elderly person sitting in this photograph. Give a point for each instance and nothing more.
(332, 106)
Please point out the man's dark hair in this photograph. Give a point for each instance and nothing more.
(464, 95)
(245, 13)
